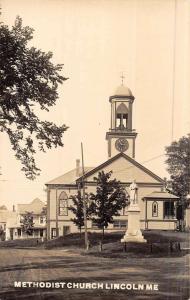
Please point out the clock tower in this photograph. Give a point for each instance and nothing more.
(121, 136)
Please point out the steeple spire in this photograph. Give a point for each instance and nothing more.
(122, 78)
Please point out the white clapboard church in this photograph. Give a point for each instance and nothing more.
(156, 204)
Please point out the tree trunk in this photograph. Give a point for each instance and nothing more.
(102, 234)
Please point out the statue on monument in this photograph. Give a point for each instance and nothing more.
(133, 188)
(133, 233)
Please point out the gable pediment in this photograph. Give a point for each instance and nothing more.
(124, 169)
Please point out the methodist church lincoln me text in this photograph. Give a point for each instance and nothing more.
(157, 206)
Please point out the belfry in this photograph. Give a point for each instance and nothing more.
(121, 135)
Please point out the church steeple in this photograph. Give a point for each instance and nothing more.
(121, 136)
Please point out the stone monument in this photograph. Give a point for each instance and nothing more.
(133, 233)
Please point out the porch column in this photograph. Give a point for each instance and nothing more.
(48, 214)
(146, 222)
(57, 212)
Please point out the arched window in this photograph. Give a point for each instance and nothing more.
(155, 209)
(121, 116)
(63, 204)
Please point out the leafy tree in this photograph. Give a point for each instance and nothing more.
(27, 223)
(78, 210)
(108, 201)
(29, 83)
(178, 161)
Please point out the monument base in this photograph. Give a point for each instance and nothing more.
(136, 238)
(133, 233)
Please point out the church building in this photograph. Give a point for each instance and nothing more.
(157, 206)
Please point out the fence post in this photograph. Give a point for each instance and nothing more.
(100, 246)
(88, 245)
(171, 246)
(179, 246)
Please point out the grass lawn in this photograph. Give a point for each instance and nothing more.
(77, 240)
(21, 243)
(158, 242)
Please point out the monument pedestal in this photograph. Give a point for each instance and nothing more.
(133, 233)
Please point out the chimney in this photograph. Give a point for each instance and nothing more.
(77, 167)
(13, 207)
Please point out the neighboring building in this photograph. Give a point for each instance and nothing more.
(4, 213)
(157, 206)
(3, 207)
(14, 228)
(5, 216)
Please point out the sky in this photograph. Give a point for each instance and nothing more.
(97, 40)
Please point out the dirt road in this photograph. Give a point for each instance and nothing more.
(40, 265)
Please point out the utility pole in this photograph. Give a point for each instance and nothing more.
(84, 202)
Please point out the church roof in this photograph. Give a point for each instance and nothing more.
(123, 90)
(70, 177)
(161, 195)
(35, 206)
(128, 158)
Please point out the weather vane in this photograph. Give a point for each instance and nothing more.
(122, 78)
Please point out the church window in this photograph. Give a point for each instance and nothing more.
(119, 224)
(155, 209)
(63, 204)
(169, 210)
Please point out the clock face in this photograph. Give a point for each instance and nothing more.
(121, 145)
